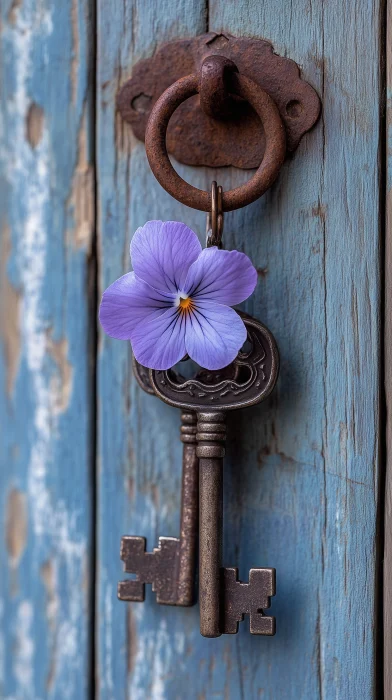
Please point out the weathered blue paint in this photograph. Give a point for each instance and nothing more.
(46, 215)
(321, 296)
(139, 452)
(301, 474)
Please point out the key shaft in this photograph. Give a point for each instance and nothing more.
(211, 437)
(189, 517)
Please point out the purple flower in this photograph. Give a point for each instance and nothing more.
(177, 301)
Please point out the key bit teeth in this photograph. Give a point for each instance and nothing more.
(131, 549)
(250, 598)
(158, 567)
(131, 591)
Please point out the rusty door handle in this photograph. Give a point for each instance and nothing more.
(216, 76)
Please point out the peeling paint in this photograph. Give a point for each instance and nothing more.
(13, 11)
(81, 198)
(31, 171)
(16, 525)
(61, 382)
(10, 305)
(15, 534)
(34, 124)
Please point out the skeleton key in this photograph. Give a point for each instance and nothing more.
(170, 568)
(223, 599)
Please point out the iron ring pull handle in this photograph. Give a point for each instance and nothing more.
(265, 175)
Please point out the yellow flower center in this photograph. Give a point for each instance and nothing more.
(186, 304)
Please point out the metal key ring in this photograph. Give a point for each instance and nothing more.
(265, 175)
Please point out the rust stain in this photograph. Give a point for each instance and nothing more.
(131, 640)
(9, 313)
(62, 390)
(34, 124)
(75, 50)
(81, 197)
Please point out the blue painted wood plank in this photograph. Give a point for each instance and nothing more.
(139, 452)
(47, 222)
(301, 490)
(322, 298)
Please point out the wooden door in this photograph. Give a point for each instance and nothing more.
(88, 457)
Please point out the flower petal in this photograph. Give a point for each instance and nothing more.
(128, 301)
(162, 253)
(214, 335)
(224, 276)
(160, 343)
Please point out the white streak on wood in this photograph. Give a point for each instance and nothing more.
(155, 650)
(24, 649)
(109, 685)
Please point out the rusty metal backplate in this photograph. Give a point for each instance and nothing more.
(194, 137)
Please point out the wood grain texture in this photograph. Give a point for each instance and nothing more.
(321, 297)
(46, 410)
(143, 650)
(301, 490)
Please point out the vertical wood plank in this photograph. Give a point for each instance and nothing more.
(316, 497)
(143, 650)
(324, 221)
(46, 409)
(301, 476)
